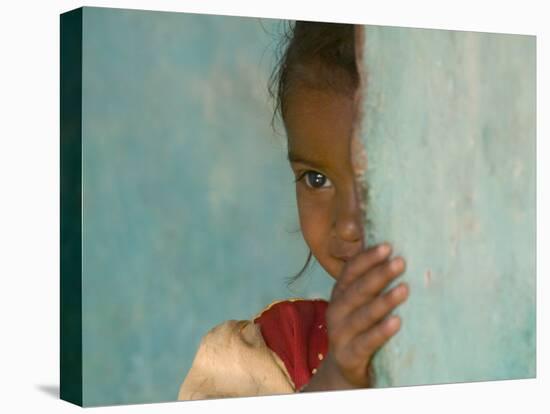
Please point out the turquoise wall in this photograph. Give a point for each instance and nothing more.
(189, 213)
(449, 131)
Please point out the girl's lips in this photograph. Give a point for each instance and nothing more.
(344, 250)
(347, 254)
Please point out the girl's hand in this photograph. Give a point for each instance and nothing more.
(356, 319)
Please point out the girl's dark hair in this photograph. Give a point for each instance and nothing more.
(317, 55)
(292, 279)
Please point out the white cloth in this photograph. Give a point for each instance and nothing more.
(233, 361)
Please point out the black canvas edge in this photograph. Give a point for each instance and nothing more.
(71, 206)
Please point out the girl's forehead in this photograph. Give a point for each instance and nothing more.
(319, 126)
(303, 100)
(322, 116)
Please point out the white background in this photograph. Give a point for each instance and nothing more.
(29, 219)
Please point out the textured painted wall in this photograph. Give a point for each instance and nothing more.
(449, 129)
(189, 207)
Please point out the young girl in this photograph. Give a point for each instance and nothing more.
(303, 345)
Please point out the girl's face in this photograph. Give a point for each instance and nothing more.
(319, 128)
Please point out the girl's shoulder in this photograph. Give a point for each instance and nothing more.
(300, 305)
(276, 352)
(295, 330)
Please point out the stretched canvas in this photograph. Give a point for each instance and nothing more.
(183, 224)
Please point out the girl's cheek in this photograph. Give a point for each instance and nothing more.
(314, 223)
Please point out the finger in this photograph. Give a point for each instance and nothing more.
(367, 316)
(365, 345)
(366, 288)
(359, 265)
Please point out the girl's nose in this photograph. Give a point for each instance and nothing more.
(348, 223)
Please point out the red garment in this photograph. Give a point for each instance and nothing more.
(296, 331)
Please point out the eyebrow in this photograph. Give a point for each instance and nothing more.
(295, 158)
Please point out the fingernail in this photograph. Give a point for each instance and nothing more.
(398, 291)
(384, 249)
(393, 322)
(396, 263)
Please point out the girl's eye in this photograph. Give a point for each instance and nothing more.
(315, 179)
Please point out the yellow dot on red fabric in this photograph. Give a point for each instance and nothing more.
(320, 357)
(320, 326)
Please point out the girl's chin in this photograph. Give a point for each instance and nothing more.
(334, 268)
